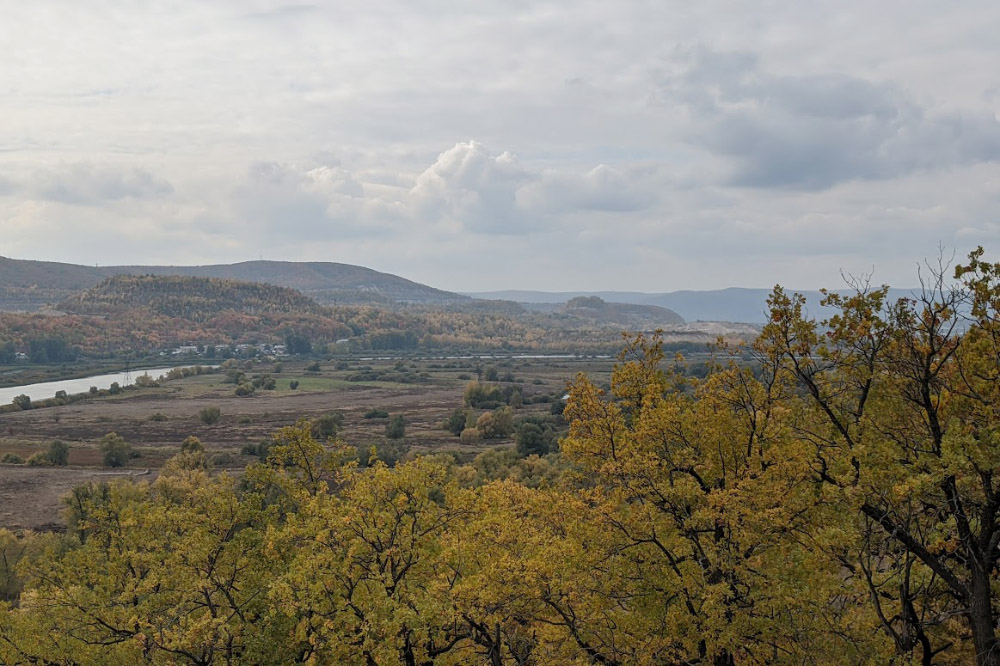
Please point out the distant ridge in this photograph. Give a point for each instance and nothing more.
(735, 304)
(617, 315)
(31, 285)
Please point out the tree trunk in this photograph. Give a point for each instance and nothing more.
(981, 619)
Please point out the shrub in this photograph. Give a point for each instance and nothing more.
(234, 376)
(376, 413)
(58, 453)
(294, 384)
(471, 436)
(245, 389)
(115, 450)
(483, 396)
(396, 427)
(145, 381)
(22, 401)
(12, 459)
(115, 388)
(158, 417)
(265, 381)
(313, 367)
(516, 399)
(39, 459)
(496, 424)
(192, 444)
(223, 458)
(327, 426)
(260, 449)
(210, 415)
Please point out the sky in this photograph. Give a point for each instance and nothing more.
(553, 145)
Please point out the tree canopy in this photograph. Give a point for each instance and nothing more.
(832, 502)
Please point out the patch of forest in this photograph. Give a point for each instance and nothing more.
(194, 298)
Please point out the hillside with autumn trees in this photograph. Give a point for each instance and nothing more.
(145, 314)
(192, 298)
(834, 502)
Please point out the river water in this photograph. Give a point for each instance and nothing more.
(44, 390)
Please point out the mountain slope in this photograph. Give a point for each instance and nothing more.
(30, 285)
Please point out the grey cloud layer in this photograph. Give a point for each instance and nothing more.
(86, 184)
(613, 145)
(813, 132)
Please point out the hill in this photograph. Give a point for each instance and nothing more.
(734, 304)
(598, 312)
(326, 282)
(193, 298)
(27, 285)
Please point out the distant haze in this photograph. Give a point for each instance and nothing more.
(733, 304)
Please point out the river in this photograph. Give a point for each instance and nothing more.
(43, 390)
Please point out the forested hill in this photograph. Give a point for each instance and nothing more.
(192, 298)
(326, 282)
(30, 285)
(620, 315)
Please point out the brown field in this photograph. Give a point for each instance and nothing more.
(156, 420)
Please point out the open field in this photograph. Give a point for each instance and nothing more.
(156, 420)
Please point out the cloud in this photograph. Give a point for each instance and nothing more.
(8, 186)
(471, 188)
(811, 132)
(293, 203)
(89, 184)
(603, 188)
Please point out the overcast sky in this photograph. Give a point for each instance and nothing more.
(566, 145)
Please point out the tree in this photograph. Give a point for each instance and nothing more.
(496, 424)
(296, 343)
(115, 450)
(692, 489)
(531, 440)
(58, 453)
(22, 401)
(8, 354)
(396, 427)
(896, 405)
(456, 422)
